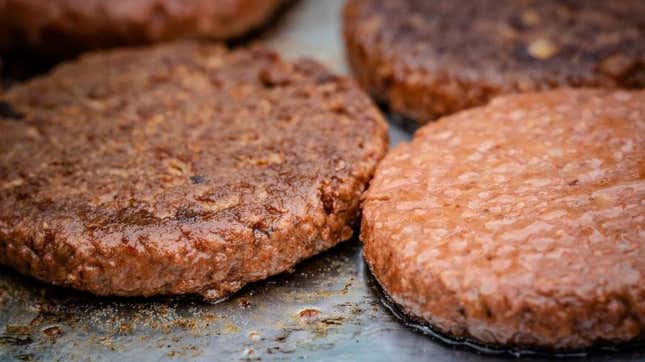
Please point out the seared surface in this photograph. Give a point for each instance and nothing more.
(180, 168)
(62, 27)
(520, 223)
(430, 58)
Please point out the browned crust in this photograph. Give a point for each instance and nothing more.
(425, 59)
(61, 27)
(181, 168)
(520, 223)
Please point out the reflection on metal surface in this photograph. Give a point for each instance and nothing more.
(323, 306)
(289, 314)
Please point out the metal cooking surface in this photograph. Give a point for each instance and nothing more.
(326, 309)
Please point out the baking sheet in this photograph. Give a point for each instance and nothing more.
(327, 309)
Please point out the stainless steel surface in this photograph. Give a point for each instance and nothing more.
(325, 310)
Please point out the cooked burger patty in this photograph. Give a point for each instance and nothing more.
(182, 168)
(428, 58)
(521, 223)
(61, 27)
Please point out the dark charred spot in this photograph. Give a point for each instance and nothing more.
(261, 230)
(274, 210)
(516, 22)
(7, 111)
(198, 179)
(53, 332)
(283, 336)
(16, 340)
(245, 303)
(187, 214)
(328, 203)
(338, 107)
(139, 217)
(488, 312)
(461, 311)
(388, 80)
(22, 195)
(573, 183)
(635, 76)
(333, 321)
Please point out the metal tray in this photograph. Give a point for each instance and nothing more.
(327, 309)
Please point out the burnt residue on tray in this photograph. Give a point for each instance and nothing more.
(327, 307)
(303, 313)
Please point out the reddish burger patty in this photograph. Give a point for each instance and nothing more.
(521, 223)
(181, 168)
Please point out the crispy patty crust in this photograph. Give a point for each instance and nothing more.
(181, 168)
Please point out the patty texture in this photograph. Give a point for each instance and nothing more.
(428, 58)
(63, 27)
(521, 223)
(181, 168)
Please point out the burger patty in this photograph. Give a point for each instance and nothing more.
(521, 223)
(62, 27)
(426, 58)
(180, 168)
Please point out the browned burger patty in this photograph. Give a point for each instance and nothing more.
(427, 58)
(67, 26)
(521, 223)
(181, 168)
